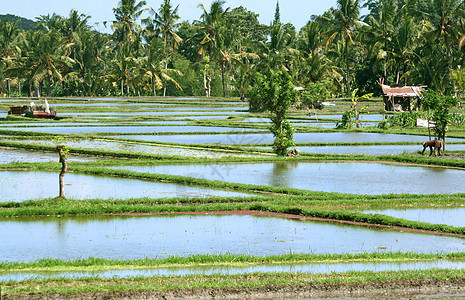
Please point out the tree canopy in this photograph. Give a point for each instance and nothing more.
(398, 42)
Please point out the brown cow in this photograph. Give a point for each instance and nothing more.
(436, 144)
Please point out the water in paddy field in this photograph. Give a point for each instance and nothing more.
(453, 216)
(267, 138)
(19, 186)
(134, 148)
(128, 129)
(10, 155)
(153, 113)
(313, 268)
(340, 177)
(373, 150)
(117, 237)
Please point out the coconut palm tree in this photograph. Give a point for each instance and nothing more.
(8, 41)
(157, 68)
(342, 23)
(164, 24)
(126, 27)
(218, 38)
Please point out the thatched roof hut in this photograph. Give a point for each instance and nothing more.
(401, 98)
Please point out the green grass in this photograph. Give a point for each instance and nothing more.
(255, 280)
(233, 260)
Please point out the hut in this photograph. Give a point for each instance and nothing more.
(401, 98)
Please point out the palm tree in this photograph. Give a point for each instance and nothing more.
(218, 39)
(8, 42)
(73, 25)
(156, 66)
(343, 24)
(165, 24)
(313, 65)
(443, 28)
(43, 56)
(90, 51)
(125, 27)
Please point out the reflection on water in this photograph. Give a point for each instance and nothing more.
(162, 236)
(352, 178)
(312, 268)
(18, 186)
(280, 170)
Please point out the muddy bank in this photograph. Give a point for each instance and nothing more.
(400, 289)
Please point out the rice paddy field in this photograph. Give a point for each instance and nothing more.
(183, 197)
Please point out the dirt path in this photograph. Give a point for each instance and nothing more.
(400, 289)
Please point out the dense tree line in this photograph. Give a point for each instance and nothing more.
(150, 52)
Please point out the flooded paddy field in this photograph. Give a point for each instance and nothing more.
(363, 117)
(267, 138)
(128, 129)
(19, 186)
(373, 150)
(153, 113)
(16, 155)
(453, 216)
(313, 268)
(136, 148)
(340, 177)
(113, 237)
(27, 239)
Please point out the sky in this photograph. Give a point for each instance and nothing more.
(296, 12)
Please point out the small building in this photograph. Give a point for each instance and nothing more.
(401, 98)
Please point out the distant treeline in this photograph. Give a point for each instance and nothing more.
(23, 23)
(150, 52)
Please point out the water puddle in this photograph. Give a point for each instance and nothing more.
(112, 237)
(19, 186)
(352, 178)
(453, 216)
(308, 268)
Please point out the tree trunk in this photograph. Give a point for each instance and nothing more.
(205, 83)
(8, 82)
(154, 87)
(64, 168)
(347, 69)
(222, 78)
(429, 129)
(19, 88)
(49, 86)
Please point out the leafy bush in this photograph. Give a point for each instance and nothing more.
(406, 119)
(315, 92)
